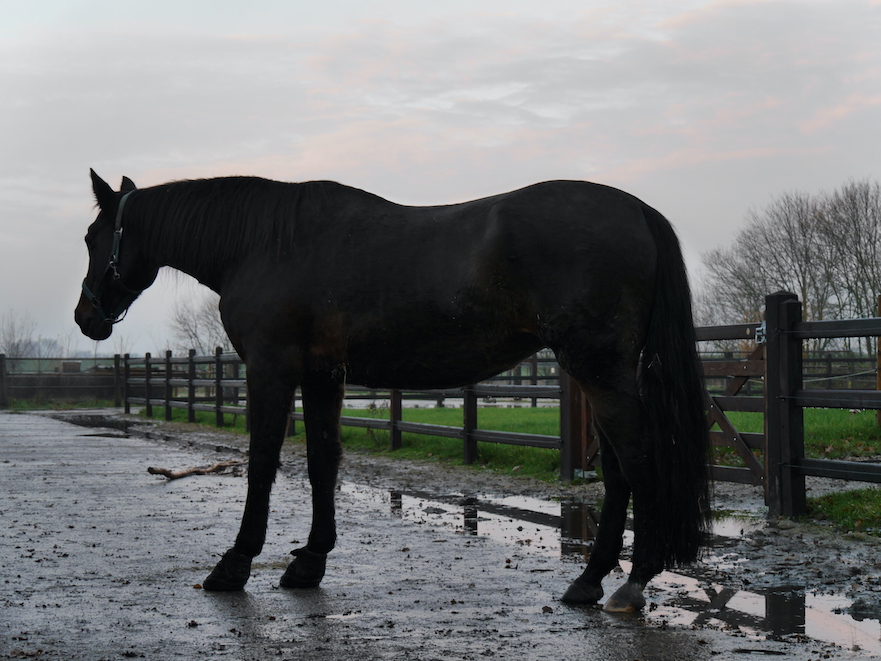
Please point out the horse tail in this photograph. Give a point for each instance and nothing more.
(672, 391)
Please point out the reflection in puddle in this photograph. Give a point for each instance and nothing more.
(568, 528)
(778, 612)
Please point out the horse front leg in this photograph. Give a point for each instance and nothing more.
(269, 401)
(323, 394)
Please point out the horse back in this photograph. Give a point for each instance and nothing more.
(446, 295)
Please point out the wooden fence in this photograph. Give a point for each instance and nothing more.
(215, 384)
(776, 458)
(786, 398)
(773, 460)
(59, 380)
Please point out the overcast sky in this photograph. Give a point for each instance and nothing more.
(703, 109)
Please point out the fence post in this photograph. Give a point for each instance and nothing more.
(168, 385)
(4, 392)
(571, 437)
(117, 398)
(126, 373)
(218, 386)
(395, 415)
(469, 424)
(191, 387)
(148, 388)
(291, 428)
(533, 366)
(784, 418)
(248, 398)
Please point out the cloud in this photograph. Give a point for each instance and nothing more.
(167, 102)
(734, 99)
(825, 117)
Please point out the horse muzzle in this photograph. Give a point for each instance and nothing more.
(92, 324)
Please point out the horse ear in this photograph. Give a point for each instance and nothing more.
(127, 185)
(104, 195)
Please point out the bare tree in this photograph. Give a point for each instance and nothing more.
(198, 325)
(17, 335)
(825, 248)
(44, 348)
(122, 344)
(781, 247)
(67, 343)
(852, 232)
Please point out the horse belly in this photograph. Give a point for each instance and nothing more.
(436, 360)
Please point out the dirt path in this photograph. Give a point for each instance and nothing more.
(99, 560)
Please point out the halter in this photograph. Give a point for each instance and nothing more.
(113, 265)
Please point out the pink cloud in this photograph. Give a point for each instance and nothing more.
(854, 103)
(692, 156)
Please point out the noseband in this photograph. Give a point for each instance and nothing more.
(113, 265)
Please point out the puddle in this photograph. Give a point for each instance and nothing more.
(776, 612)
(96, 420)
(566, 529)
(108, 434)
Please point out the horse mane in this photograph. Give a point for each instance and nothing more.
(203, 220)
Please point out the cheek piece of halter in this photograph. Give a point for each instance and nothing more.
(118, 314)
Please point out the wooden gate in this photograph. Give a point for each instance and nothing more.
(723, 432)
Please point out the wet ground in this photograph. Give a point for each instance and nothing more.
(101, 560)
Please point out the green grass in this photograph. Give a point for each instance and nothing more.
(839, 434)
(231, 422)
(829, 434)
(858, 510)
(540, 463)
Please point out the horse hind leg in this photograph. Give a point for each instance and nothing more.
(587, 588)
(635, 454)
(628, 469)
(322, 403)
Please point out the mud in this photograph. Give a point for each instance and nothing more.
(101, 561)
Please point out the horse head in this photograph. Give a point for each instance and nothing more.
(118, 270)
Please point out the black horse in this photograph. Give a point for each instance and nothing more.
(320, 283)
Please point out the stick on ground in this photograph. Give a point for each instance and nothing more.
(176, 475)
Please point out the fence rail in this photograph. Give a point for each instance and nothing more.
(213, 384)
(777, 378)
(59, 379)
(760, 382)
(787, 398)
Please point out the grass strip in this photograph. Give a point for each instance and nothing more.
(829, 434)
(858, 510)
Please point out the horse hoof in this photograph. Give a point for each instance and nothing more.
(306, 571)
(627, 599)
(580, 592)
(230, 574)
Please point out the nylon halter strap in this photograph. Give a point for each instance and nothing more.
(113, 265)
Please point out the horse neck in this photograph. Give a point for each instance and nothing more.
(207, 227)
(168, 238)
